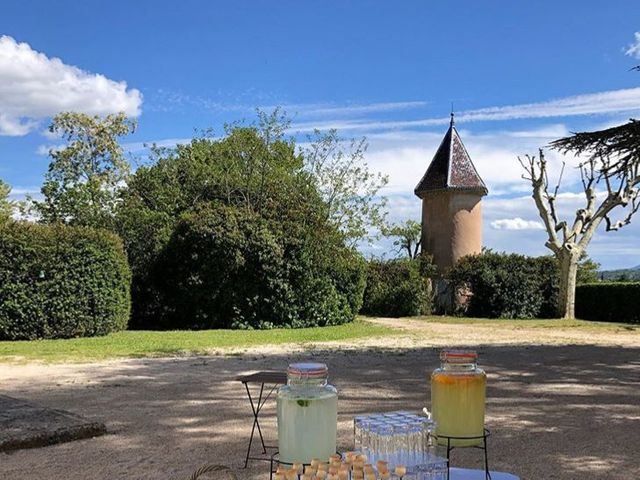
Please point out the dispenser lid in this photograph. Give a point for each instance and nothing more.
(308, 370)
(458, 356)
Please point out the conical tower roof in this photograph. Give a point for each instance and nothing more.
(451, 168)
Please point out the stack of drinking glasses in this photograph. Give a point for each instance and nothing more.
(400, 438)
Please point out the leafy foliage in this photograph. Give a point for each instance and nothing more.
(623, 275)
(349, 188)
(6, 206)
(621, 141)
(236, 225)
(408, 237)
(608, 302)
(225, 267)
(500, 285)
(84, 177)
(587, 270)
(61, 282)
(396, 288)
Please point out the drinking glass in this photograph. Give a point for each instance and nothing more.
(366, 428)
(385, 437)
(400, 443)
(415, 446)
(357, 432)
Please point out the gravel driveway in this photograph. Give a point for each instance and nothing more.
(557, 411)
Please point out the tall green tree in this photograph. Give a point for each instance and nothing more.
(6, 205)
(349, 187)
(587, 270)
(242, 207)
(253, 167)
(82, 183)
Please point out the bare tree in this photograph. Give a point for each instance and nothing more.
(610, 180)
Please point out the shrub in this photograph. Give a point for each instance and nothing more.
(608, 302)
(395, 288)
(226, 267)
(507, 285)
(61, 282)
(283, 231)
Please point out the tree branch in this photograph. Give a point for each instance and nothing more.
(635, 205)
(537, 177)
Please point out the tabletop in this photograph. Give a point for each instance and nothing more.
(266, 376)
(466, 474)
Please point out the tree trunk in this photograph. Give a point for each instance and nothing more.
(567, 294)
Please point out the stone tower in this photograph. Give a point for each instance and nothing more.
(451, 191)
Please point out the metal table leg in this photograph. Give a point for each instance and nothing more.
(255, 408)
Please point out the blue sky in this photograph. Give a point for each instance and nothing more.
(519, 74)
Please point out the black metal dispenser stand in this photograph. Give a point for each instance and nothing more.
(486, 434)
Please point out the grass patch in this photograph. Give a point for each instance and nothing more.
(558, 324)
(134, 344)
(170, 343)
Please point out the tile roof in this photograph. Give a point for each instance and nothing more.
(451, 168)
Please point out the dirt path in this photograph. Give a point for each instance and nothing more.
(557, 411)
(431, 333)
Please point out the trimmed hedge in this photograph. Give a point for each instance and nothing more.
(609, 302)
(500, 285)
(396, 288)
(61, 282)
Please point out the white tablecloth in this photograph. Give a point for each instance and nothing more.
(466, 474)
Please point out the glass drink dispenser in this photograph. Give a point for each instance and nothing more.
(307, 414)
(458, 394)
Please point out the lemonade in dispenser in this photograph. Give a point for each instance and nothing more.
(307, 414)
(458, 395)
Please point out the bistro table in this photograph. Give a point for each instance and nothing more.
(272, 379)
(466, 474)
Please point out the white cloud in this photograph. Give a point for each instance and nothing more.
(34, 86)
(517, 224)
(633, 50)
(170, 100)
(323, 109)
(612, 101)
(21, 192)
(405, 156)
(15, 127)
(46, 149)
(48, 134)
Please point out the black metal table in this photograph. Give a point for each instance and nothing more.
(272, 380)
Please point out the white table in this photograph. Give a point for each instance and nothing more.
(466, 474)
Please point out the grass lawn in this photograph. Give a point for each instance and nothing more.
(157, 344)
(150, 343)
(582, 325)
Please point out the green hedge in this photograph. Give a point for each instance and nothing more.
(226, 267)
(609, 302)
(396, 288)
(507, 285)
(61, 282)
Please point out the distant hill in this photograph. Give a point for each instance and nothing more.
(624, 273)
